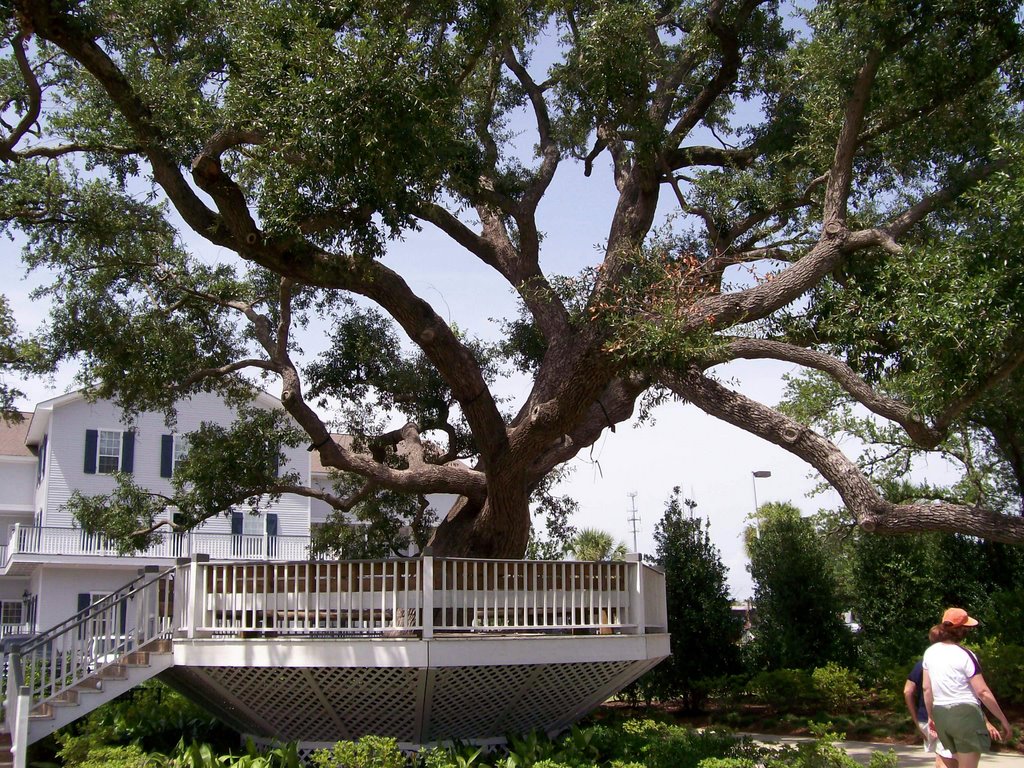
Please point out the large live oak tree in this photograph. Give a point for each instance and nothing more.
(203, 180)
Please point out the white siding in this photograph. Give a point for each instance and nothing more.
(58, 589)
(18, 481)
(65, 468)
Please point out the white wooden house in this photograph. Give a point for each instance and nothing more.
(236, 615)
(70, 444)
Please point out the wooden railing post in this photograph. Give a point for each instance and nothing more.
(427, 591)
(197, 583)
(19, 702)
(637, 609)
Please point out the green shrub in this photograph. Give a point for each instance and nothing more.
(1003, 666)
(837, 687)
(728, 689)
(822, 752)
(785, 689)
(686, 748)
(1003, 621)
(727, 762)
(368, 752)
(129, 756)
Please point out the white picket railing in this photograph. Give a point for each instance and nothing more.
(416, 597)
(34, 540)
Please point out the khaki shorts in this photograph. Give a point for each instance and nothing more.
(961, 728)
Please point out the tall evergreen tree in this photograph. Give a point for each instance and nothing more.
(705, 631)
(799, 622)
(896, 596)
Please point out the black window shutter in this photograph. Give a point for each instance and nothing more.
(41, 461)
(92, 438)
(123, 629)
(127, 451)
(236, 523)
(277, 460)
(166, 455)
(84, 601)
(271, 524)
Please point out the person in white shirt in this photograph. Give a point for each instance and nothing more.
(913, 695)
(955, 690)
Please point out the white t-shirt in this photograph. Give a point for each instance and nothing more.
(950, 667)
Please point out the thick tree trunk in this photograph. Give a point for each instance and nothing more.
(474, 529)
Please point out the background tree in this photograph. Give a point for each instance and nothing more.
(897, 599)
(202, 180)
(18, 356)
(705, 630)
(595, 544)
(799, 618)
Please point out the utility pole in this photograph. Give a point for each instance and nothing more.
(633, 519)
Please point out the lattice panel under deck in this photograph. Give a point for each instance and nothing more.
(325, 703)
(481, 702)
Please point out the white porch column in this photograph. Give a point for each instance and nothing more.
(637, 609)
(196, 600)
(427, 589)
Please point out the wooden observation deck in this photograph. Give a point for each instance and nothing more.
(426, 650)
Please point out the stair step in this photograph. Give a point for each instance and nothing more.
(114, 672)
(136, 659)
(68, 698)
(90, 684)
(160, 645)
(41, 712)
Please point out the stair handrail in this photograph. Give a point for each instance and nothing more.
(94, 638)
(74, 620)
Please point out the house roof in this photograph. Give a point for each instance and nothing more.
(12, 436)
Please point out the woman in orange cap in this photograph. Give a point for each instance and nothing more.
(955, 690)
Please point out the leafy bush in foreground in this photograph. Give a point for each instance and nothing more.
(631, 744)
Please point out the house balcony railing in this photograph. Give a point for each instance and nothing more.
(15, 629)
(420, 597)
(72, 542)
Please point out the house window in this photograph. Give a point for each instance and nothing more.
(173, 450)
(11, 612)
(108, 455)
(108, 451)
(180, 449)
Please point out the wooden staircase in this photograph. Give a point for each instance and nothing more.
(98, 688)
(104, 650)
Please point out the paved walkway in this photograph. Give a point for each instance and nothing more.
(909, 755)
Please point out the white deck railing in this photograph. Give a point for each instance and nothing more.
(34, 540)
(420, 597)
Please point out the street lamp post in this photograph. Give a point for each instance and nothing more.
(757, 473)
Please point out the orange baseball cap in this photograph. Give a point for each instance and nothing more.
(957, 617)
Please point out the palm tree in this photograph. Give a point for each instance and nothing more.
(595, 544)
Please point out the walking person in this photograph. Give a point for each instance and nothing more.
(955, 691)
(913, 695)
